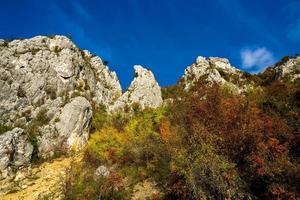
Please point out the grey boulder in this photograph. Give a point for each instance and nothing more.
(74, 122)
(15, 151)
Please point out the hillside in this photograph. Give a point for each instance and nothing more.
(67, 131)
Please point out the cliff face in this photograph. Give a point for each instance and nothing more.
(41, 80)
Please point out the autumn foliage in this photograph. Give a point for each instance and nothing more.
(209, 144)
(259, 141)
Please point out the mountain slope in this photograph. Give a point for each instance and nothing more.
(220, 133)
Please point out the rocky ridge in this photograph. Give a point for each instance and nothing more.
(49, 87)
(288, 69)
(214, 70)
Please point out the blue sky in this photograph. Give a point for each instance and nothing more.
(163, 35)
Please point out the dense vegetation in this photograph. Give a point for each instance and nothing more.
(210, 144)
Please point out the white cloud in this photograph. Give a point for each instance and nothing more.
(255, 60)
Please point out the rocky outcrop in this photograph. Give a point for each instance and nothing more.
(74, 122)
(211, 71)
(143, 91)
(288, 69)
(47, 86)
(101, 172)
(15, 152)
(40, 80)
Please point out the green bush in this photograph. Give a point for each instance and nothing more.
(209, 175)
(80, 183)
(171, 92)
(21, 92)
(32, 131)
(51, 92)
(106, 145)
(99, 119)
(57, 50)
(4, 128)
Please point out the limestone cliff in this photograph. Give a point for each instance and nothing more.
(143, 91)
(40, 81)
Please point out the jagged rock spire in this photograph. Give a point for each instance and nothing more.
(143, 90)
